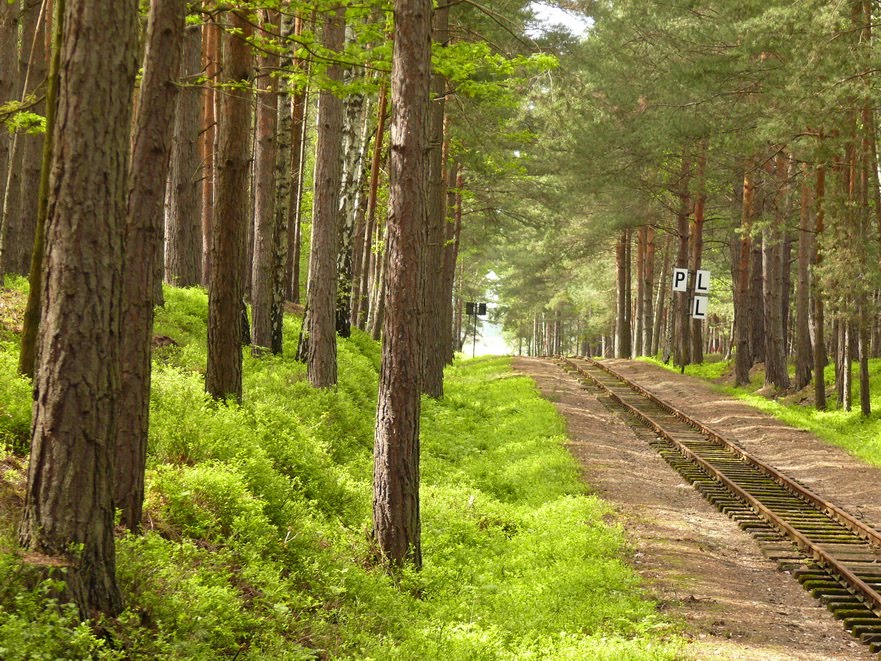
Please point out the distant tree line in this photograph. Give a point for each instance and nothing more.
(736, 137)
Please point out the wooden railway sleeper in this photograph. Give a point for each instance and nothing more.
(846, 603)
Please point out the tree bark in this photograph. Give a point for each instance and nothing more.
(680, 309)
(380, 286)
(866, 165)
(143, 237)
(299, 126)
(265, 233)
(803, 349)
(354, 148)
(9, 19)
(776, 372)
(15, 79)
(451, 256)
(361, 303)
(657, 332)
(845, 362)
(284, 194)
(640, 288)
(756, 303)
(648, 292)
(68, 512)
(743, 359)
(31, 322)
(223, 377)
(211, 53)
(628, 291)
(819, 340)
(435, 334)
(33, 67)
(396, 522)
(318, 338)
(183, 248)
(697, 248)
(622, 325)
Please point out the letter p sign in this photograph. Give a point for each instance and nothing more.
(680, 279)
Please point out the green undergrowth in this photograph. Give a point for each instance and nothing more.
(257, 520)
(850, 430)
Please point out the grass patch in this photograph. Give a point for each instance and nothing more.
(850, 430)
(258, 517)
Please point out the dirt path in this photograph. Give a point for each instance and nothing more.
(699, 565)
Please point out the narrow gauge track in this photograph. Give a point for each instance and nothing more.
(835, 556)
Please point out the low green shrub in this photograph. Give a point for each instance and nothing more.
(257, 520)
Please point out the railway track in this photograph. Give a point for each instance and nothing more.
(835, 556)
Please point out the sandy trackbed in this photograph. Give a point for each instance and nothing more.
(697, 563)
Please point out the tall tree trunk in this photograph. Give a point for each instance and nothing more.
(457, 321)
(867, 163)
(33, 67)
(211, 53)
(31, 323)
(318, 338)
(396, 522)
(657, 330)
(776, 372)
(9, 18)
(16, 80)
(223, 377)
(628, 293)
(354, 147)
(299, 108)
(622, 327)
(380, 286)
(743, 358)
(640, 289)
(284, 194)
(435, 335)
(697, 248)
(296, 251)
(803, 349)
(263, 266)
(68, 512)
(648, 293)
(819, 340)
(361, 302)
(756, 318)
(143, 236)
(183, 248)
(680, 309)
(451, 256)
(358, 266)
(845, 349)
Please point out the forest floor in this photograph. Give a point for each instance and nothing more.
(693, 557)
(256, 537)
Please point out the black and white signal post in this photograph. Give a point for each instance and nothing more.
(699, 302)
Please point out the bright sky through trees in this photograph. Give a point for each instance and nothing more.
(548, 17)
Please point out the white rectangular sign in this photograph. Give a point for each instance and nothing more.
(680, 279)
(702, 282)
(699, 305)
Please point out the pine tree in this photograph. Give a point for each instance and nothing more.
(69, 513)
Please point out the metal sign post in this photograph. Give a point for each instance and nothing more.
(700, 302)
(473, 309)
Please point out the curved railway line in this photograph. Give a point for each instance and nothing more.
(835, 556)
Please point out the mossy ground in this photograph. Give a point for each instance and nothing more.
(257, 520)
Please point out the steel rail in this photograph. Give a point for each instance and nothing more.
(845, 518)
(806, 545)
